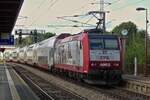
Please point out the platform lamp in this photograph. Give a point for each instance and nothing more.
(145, 40)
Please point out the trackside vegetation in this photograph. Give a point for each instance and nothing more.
(134, 46)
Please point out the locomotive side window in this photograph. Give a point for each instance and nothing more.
(80, 44)
(111, 43)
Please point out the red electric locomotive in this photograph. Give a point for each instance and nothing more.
(90, 56)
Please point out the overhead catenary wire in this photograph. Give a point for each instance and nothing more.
(68, 26)
(52, 4)
(89, 20)
(34, 21)
(114, 2)
(39, 15)
(83, 15)
(127, 5)
(34, 11)
(75, 21)
(108, 3)
(49, 7)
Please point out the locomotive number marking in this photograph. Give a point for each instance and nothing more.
(104, 57)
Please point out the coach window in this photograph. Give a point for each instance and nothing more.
(69, 50)
(51, 52)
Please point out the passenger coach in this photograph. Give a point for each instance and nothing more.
(31, 54)
(22, 55)
(15, 55)
(45, 51)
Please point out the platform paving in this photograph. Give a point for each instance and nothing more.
(137, 78)
(12, 87)
(5, 93)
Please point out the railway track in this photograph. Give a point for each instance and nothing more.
(115, 92)
(122, 94)
(105, 93)
(44, 89)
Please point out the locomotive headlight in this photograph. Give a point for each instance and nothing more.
(92, 64)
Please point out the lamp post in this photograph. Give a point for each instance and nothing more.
(145, 40)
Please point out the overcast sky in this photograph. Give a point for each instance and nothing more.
(41, 13)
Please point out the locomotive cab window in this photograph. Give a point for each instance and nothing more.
(96, 44)
(111, 43)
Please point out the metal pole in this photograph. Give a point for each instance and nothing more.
(20, 38)
(102, 15)
(104, 27)
(101, 5)
(35, 36)
(135, 66)
(145, 54)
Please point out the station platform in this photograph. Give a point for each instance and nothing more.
(137, 78)
(12, 87)
(138, 84)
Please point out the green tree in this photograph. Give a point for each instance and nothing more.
(130, 27)
(41, 37)
(29, 39)
(134, 45)
(135, 49)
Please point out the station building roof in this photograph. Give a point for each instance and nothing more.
(9, 11)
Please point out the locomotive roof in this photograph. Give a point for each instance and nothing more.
(93, 31)
(51, 41)
(70, 38)
(16, 50)
(93, 34)
(103, 35)
(48, 42)
(23, 48)
(31, 47)
(98, 32)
